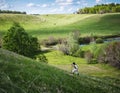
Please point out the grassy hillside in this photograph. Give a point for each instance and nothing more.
(43, 26)
(59, 60)
(19, 74)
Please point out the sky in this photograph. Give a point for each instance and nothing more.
(50, 6)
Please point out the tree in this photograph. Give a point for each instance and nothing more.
(72, 42)
(111, 54)
(103, 8)
(12, 12)
(88, 56)
(17, 40)
(41, 58)
(117, 8)
(71, 45)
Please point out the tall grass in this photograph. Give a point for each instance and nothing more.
(64, 62)
(19, 74)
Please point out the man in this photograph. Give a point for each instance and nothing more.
(75, 68)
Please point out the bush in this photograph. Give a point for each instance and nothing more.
(79, 53)
(49, 42)
(64, 48)
(93, 61)
(72, 42)
(99, 40)
(84, 40)
(111, 54)
(70, 46)
(41, 58)
(62, 40)
(96, 49)
(17, 40)
(88, 56)
(44, 42)
(73, 49)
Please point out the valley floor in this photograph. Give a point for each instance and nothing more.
(59, 60)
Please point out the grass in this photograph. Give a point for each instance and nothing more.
(20, 74)
(23, 75)
(64, 62)
(44, 26)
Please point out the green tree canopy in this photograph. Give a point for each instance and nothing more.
(17, 40)
(11, 12)
(100, 9)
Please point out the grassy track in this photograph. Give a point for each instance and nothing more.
(44, 26)
(19, 74)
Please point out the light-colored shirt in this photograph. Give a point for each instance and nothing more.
(75, 67)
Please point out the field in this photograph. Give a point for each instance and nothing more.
(44, 26)
(24, 75)
(19, 74)
(64, 62)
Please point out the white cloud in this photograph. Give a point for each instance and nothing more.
(83, 3)
(64, 2)
(45, 5)
(54, 10)
(70, 9)
(37, 5)
(58, 1)
(4, 5)
(78, 2)
(53, 4)
(77, 9)
(69, 1)
(97, 1)
(31, 5)
(58, 10)
(61, 8)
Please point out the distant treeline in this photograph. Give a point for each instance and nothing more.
(103, 8)
(11, 12)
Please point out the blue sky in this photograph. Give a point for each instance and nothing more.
(49, 6)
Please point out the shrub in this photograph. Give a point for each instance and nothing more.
(111, 54)
(64, 48)
(93, 61)
(102, 58)
(84, 40)
(72, 42)
(70, 46)
(44, 42)
(49, 42)
(88, 56)
(41, 58)
(96, 49)
(52, 40)
(79, 53)
(73, 49)
(99, 40)
(17, 40)
(62, 40)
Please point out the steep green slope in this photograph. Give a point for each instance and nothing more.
(19, 74)
(43, 26)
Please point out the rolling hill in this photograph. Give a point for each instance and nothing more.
(59, 25)
(19, 74)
